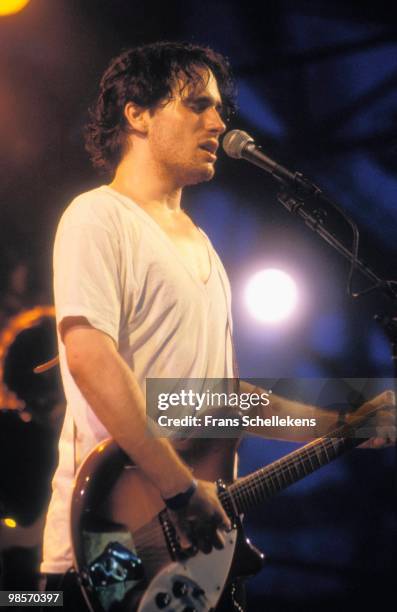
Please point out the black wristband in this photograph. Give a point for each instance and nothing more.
(179, 501)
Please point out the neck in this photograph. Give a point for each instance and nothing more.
(148, 187)
(265, 482)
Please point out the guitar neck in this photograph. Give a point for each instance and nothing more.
(266, 482)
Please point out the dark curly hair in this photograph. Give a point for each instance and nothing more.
(145, 76)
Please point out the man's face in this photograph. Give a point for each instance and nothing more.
(184, 132)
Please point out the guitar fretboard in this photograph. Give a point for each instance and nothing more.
(273, 478)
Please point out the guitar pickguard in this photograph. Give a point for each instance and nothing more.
(196, 583)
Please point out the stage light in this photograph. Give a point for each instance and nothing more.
(9, 7)
(9, 522)
(271, 295)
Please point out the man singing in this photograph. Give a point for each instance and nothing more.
(139, 290)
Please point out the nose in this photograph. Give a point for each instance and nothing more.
(215, 122)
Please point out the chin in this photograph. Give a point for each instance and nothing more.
(200, 175)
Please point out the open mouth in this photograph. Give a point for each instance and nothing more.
(210, 147)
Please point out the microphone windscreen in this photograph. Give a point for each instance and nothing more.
(234, 142)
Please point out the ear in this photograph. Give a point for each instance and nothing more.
(137, 117)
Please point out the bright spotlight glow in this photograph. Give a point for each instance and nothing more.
(9, 522)
(271, 295)
(9, 7)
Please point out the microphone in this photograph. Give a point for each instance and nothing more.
(240, 145)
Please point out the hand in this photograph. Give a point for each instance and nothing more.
(383, 423)
(201, 521)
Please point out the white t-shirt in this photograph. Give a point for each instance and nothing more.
(114, 265)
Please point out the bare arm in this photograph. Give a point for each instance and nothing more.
(283, 407)
(112, 391)
(326, 421)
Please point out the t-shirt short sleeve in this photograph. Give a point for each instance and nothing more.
(87, 275)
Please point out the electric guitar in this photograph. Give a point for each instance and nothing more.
(125, 548)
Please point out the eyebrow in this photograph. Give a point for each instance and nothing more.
(204, 98)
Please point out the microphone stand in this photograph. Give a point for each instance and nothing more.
(291, 196)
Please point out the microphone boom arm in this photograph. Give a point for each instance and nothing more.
(296, 206)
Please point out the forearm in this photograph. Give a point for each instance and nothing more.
(325, 421)
(114, 395)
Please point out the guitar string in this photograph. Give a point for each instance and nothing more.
(148, 537)
(256, 487)
(281, 467)
(316, 449)
(260, 486)
(336, 441)
(295, 460)
(277, 479)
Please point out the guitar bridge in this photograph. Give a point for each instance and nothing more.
(172, 540)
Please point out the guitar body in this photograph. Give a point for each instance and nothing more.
(125, 548)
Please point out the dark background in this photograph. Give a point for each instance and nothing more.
(318, 89)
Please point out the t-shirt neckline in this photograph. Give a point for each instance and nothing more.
(146, 217)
